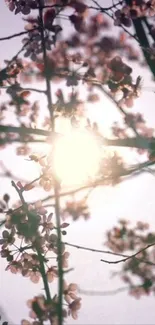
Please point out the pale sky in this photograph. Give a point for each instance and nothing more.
(132, 199)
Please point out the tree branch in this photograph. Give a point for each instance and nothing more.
(16, 35)
(26, 89)
(126, 257)
(134, 142)
(11, 141)
(23, 130)
(142, 38)
(56, 186)
(114, 101)
(45, 59)
(105, 293)
(131, 256)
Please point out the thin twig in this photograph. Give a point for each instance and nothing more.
(131, 124)
(104, 293)
(60, 265)
(126, 257)
(45, 59)
(89, 7)
(131, 256)
(16, 35)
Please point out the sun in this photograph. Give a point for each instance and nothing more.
(76, 158)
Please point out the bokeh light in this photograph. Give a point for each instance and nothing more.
(76, 158)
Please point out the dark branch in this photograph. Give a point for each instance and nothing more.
(105, 293)
(17, 35)
(131, 256)
(26, 89)
(23, 130)
(126, 257)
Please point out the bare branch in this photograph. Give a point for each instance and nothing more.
(108, 292)
(56, 185)
(113, 6)
(134, 142)
(119, 107)
(47, 80)
(131, 256)
(26, 89)
(17, 35)
(23, 130)
(103, 293)
(114, 253)
(19, 140)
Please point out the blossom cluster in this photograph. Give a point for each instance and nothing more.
(138, 9)
(124, 238)
(23, 6)
(26, 234)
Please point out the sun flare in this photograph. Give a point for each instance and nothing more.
(76, 158)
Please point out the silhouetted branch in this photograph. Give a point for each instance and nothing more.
(27, 89)
(142, 38)
(56, 185)
(47, 80)
(16, 35)
(126, 257)
(103, 293)
(134, 142)
(89, 7)
(23, 130)
(131, 256)
(19, 140)
(103, 10)
(114, 101)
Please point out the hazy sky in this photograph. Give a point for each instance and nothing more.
(133, 199)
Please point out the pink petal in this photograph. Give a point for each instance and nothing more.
(72, 287)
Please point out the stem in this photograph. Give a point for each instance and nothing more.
(56, 188)
(43, 274)
(45, 59)
(60, 270)
(42, 267)
(142, 38)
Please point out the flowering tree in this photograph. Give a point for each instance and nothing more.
(86, 58)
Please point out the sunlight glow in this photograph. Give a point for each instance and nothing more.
(76, 159)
